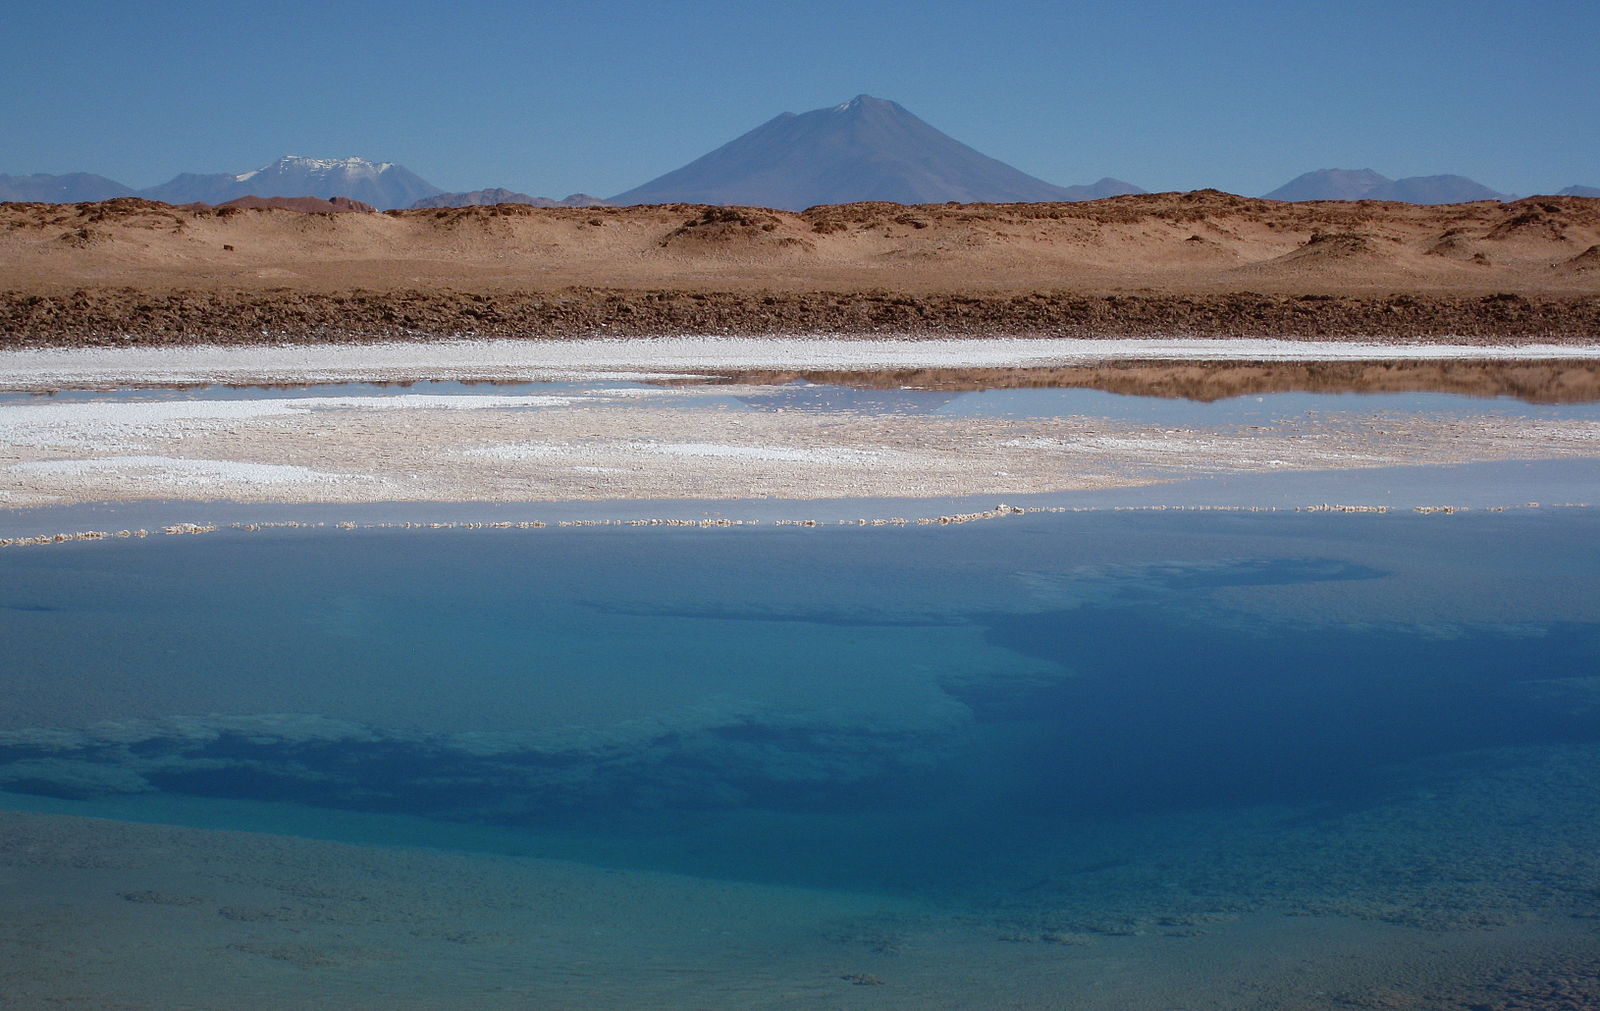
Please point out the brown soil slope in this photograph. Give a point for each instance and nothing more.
(305, 205)
(1197, 263)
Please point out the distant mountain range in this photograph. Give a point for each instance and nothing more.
(382, 184)
(865, 149)
(72, 188)
(483, 198)
(1365, 184)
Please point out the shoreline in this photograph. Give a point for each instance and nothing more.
(693, 356)
(692, 449)
(1440, 490)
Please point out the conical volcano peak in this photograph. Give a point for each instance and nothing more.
(864, 101)
(864, 149)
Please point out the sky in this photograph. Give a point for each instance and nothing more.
(600, 96)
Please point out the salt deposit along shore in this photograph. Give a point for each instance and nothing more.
(633, 358)
(595, 438)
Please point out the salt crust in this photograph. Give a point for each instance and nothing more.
(171, 470)
(654, 357)
(583, 444)
(110, 424)
(122, 412)
(698, 450)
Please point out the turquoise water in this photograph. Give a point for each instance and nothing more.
(1094, 724)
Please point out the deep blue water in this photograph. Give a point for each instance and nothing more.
(1099, 709)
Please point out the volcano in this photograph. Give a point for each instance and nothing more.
(866, 149)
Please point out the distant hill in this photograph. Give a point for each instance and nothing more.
(1365, 184)
(1434, 190)
(305, 205)
(483, 198)
(1329, 184)
(1196, 263)
(1099, 190)
(1580, 191)
(196, 188)
(866, 149)
(384, 185)
(72, 188)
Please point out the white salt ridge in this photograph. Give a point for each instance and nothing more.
(433, 402)
(779, 454)
(699, 450)
(149, 411)
(1185, 446)
(111, 424)
(636, 357)
(173, 470)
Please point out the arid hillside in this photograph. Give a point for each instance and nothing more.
(1191, 241)
(1202, 262)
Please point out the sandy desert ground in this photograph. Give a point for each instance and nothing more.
(1202, 263)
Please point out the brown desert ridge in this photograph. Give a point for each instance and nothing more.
(134, 272)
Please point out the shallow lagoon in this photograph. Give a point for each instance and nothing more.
(1164, 760)
(979, 400)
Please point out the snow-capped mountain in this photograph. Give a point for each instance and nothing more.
(384, 185)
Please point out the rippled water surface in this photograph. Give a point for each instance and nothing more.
(1160, 760)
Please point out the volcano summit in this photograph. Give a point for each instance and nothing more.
(866, 149)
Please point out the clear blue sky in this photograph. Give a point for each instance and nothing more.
(599, 96)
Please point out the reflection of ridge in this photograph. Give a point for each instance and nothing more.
(801, 395)
(1574, 381)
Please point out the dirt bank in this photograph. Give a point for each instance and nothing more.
(128, 315)
(1197, 264)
